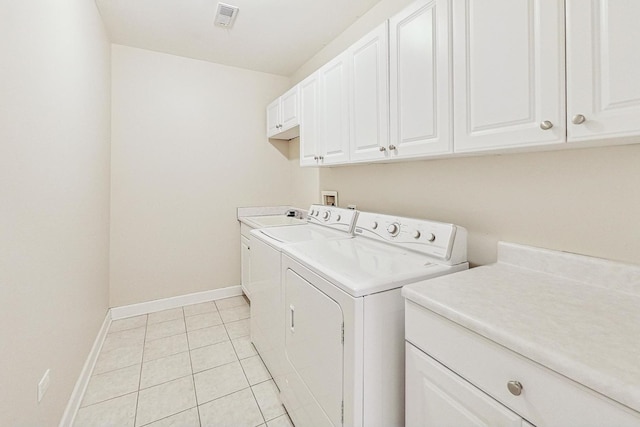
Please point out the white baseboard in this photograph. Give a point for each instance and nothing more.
(173, 302)
(85, 375)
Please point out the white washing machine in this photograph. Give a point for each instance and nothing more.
(344, 314)
(267, 306)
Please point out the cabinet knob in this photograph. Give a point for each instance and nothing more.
(578, 119)
(546, 125)
(383, 148)
(514, 387)
(320, 157)
(315, 157)
(392, 147)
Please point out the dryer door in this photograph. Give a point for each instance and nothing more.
(315, 350)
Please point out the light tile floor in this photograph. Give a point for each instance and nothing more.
(188, 366)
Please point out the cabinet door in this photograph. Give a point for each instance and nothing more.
(334, 113)
(437, 397)
(273, 118)
(369, 95)
(289, 109)
(508, 73)
(309, 126)
(245, 262)
(603, 69)
(420, 79)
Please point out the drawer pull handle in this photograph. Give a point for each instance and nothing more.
(515, 387)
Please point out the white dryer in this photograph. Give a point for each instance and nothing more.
(267, 307)
(344, 332)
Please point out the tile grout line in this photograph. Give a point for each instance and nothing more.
(193, 375)
(245, 374)
(144, 342)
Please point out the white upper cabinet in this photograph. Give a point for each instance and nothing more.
(420, 80)
(282, 116)
(369, 96)
(309, 123)
(508, 73)
(603, 68)
(334, 112)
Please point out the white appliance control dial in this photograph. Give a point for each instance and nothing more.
(416, 234)
(316, 213)
(430, 237)
(338, 217)
(374, 225)
(312, 212)
(393, 229)
(326, 215)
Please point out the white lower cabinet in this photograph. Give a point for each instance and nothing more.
(508, 69)
(245, 260)
(438, 397)
(603, 88)
(456, 377)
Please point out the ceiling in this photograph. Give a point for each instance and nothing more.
(272, 36)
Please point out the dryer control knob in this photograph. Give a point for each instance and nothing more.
(374, 225)
(430, 237)
(338, 217)
(416, 234)
(316, 213)
(312, 212)
(326, 215)
(394, 229)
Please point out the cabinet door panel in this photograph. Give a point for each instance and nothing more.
(289, 109)
(369, 85)
(245, 262)
(334, 115)
(603, 41)
(508, 73)
(419, 57)
(273, 118)
(438, 397)
(309, 125)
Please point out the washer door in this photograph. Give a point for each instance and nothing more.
(314, 348)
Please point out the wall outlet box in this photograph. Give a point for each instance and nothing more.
(43, 385)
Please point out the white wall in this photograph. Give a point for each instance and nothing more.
(585, 201)
(188, 148)
(54, 200)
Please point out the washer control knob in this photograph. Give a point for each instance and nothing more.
(416, 234)
(393, 229)
(317, 212)
(374, 225)
(312, 212)
(326, 215)
(430, 237)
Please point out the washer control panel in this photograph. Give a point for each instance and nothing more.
(331, 216)
(429, 237)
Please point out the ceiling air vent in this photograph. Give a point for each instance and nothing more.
(226, 15)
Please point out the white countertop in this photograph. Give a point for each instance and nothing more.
(576, 315)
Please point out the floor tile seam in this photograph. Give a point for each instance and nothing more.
(227, 395)
(168, 416)
(201, 327)
(206, 345)
(215, 310)
(165, 382)
(166, 336)
(193, 378)
(249, 382)
(235, 320)
(115, 369)
(220, 366)
(135, 417)
(122, 330)
(166, 320)
(106, 400)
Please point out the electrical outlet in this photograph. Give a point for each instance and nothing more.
(43, 385)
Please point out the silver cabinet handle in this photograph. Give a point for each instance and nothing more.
(392, 147)
(546, 125)
(293, 312)
(515, 387)
(578, 119)
(382, 148)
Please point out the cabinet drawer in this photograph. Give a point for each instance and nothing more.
(245, 230)
(547, 398)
